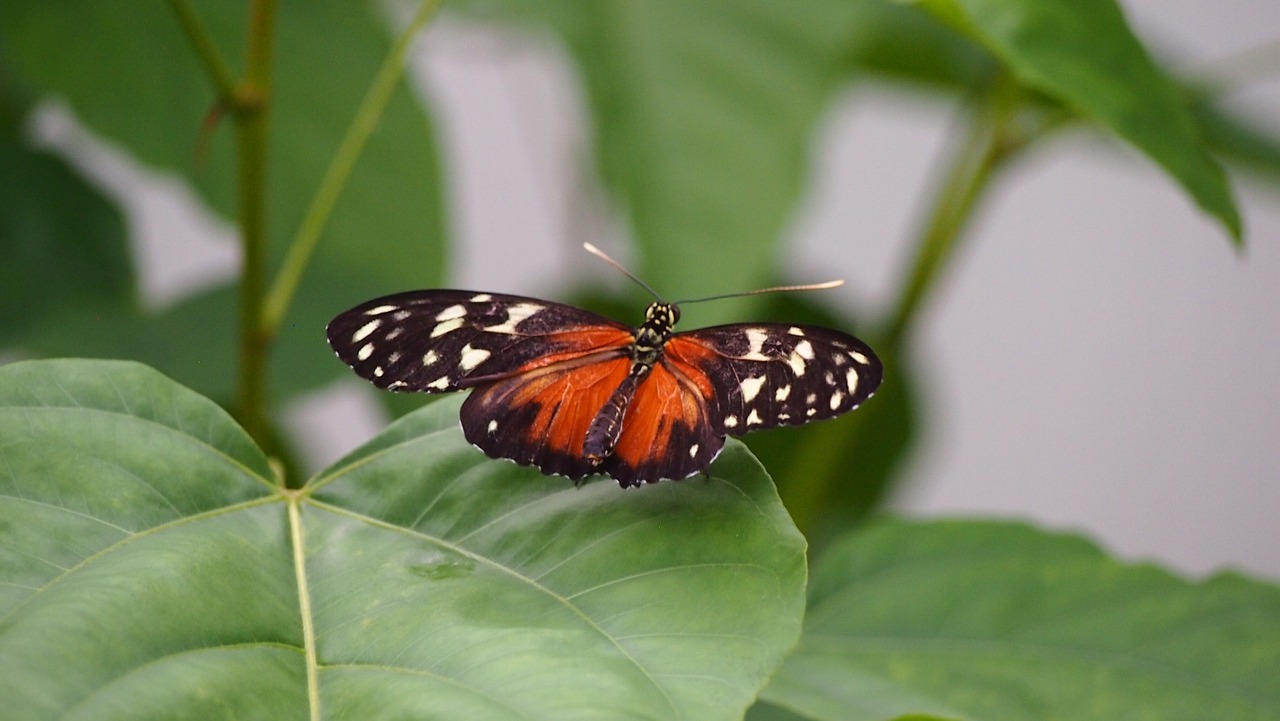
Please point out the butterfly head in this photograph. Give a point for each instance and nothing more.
(662, 315)
(659, 317)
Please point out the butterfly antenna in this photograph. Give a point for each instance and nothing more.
(601, 255)
(774, 289)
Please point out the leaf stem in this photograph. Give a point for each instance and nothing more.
(989, 143)
(297, 539)
(335, 178)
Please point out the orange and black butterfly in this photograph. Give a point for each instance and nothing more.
(574, 393)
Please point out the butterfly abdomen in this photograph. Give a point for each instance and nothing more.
(602, 434)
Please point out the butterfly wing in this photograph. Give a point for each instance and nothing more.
(767, 375)
(436, 341)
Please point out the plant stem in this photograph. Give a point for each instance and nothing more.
(988, 144)
(251, 101)
(206, 49)
(335, 178)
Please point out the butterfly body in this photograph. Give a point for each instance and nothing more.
(574, 393)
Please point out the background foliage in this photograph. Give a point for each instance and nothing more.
(703, 114)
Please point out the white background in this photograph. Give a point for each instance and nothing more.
(1097, 359)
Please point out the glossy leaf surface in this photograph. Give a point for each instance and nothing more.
(998, 621)
(151, 567)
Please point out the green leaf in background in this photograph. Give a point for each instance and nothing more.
(151, 567)
(134, 80)
(62, 244)
(1000, 622)
(1083, 53)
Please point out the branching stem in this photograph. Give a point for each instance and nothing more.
(990, 141)
(335, 178)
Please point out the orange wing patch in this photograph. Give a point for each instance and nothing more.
(540, 417)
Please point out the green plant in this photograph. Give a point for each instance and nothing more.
(161, 560)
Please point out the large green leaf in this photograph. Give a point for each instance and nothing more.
(134, 80)
(1000, 622)
(152, 567)
(1083, 53)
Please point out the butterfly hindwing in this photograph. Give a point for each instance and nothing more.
(436, 341)
(765, 375)
(541, 417)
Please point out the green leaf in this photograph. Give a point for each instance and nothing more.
(151, 567)
(62, 243)
(134, 80)
(998, 621)
(1083, 53)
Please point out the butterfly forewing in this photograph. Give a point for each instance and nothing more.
(766, 375)
(436, 341)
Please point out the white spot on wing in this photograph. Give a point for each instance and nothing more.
(693, 451)
(782, 393)
(430, 358)
(851, 378)
(754, 418)
(811, 399)
(859, 357)
(481, 298)
(797, 364)
(805, 349)
(751, 388)
(730, 421)
(795, 331)
(810, 412)
(755, 343)
(379, 310)
(377, 372)
(446, 327)
(453, 311)
(401, 315)
(493, 426)
(472, 357)
(440, 383)
(395, 332)
(515, 314)
(835, 400)
(366, 330)
(394, 357)
(396, 384)
(365, 351)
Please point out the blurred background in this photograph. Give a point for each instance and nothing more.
(1097, 358)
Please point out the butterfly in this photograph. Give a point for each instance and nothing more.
(574, 393)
